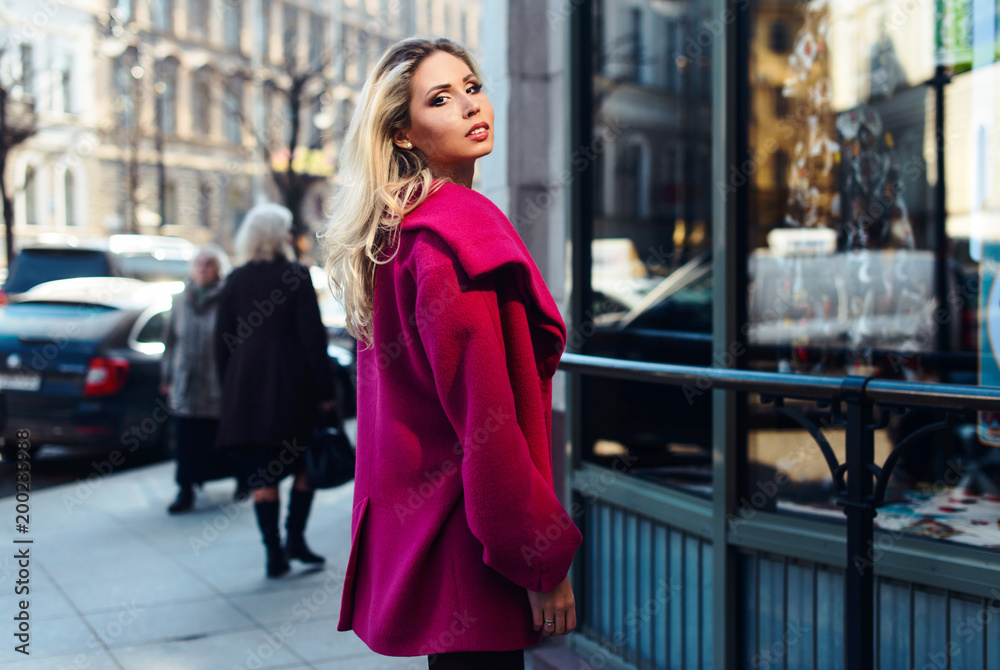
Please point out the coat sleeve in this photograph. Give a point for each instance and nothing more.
(169, 342)
(312, 336)
(225, 339)
(510, 505)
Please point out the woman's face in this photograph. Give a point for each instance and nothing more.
(451, 118)
(204, 270)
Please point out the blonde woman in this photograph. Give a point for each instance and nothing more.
(460, 547)
(271, 352)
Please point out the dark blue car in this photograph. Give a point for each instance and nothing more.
(80, 363)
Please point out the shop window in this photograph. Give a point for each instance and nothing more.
(853, 267)
(650, 238)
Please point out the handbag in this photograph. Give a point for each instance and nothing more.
(329, 454)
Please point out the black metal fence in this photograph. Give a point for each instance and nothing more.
(864, 405)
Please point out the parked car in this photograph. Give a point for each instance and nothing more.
(80, 362)
(341, 347)
(56, 256)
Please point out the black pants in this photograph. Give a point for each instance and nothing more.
(197, 458)
(477, 660)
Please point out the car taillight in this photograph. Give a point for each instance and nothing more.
(105, 376)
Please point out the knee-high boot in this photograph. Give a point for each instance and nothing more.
(295, 541)
(267, 519)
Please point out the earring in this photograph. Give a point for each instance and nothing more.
(409, 145)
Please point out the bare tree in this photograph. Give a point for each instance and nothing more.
(290, 90)
(18, 122)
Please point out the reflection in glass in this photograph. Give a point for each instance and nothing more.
(872, 218)
(650, 234)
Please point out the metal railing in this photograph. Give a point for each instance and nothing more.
(859, 481)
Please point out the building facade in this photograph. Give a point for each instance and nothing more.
(173, 116)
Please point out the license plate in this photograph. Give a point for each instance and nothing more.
(20, 382)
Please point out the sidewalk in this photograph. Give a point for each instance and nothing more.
(118, 584)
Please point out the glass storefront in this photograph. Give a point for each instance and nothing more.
(650, 278)
(789, 188)
(873, 210)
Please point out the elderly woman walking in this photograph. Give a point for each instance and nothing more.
(187, 372)
(275, 373)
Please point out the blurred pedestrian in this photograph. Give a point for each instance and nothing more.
(187, 374)
(275, 376)
(460, 546)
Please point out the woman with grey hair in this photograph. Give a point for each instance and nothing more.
(275, 374)
(187, 373)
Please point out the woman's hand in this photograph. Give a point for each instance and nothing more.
(557, 605)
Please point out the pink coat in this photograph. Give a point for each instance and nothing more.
(455, 514)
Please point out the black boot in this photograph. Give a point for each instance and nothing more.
(184, 501)
(267, 519)
(295, 542)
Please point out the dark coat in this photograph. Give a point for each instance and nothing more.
(455, 511)
(271, 352)
(188, 364)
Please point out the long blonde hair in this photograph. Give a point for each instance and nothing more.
(380, 183)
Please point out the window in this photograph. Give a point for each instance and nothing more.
(205, 193)
(27, 70)
(232, 12)
(264, 29)
(125, 86)
(153, 330)
(122, 10)
(31, 196)
(346, 59)
(635, 48)
(163, 15)
(201, 102)
(69, 198)
(364, 42)
(854, 268)
(167, 87)
(317, 39)
(233, 111)
(291, 35)
(67, 87)
(170, 203)
(199, 13)
(650, 282)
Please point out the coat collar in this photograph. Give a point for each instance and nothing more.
(484, 241)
